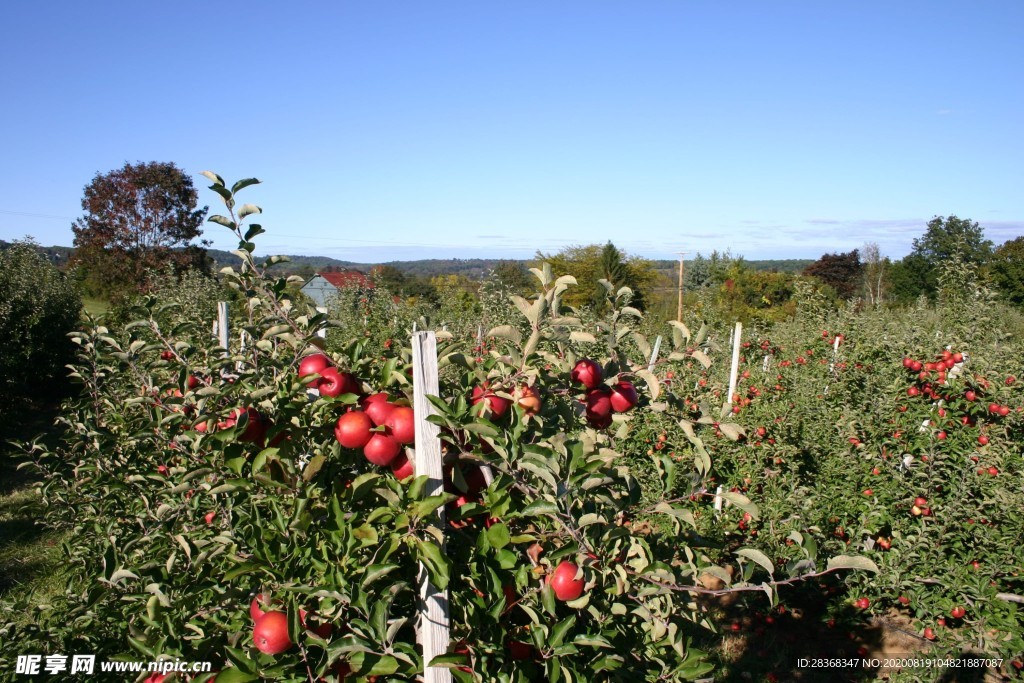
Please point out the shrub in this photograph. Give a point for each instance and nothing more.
(39, 306)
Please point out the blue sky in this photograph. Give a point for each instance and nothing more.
(398, 130)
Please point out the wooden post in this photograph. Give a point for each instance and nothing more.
(222, 324)
(433, 622)
(679, 306)
(654, 354)
(737, 337)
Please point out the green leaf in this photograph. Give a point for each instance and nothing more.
(591, 640)
(243, 183)
(498, 536)
(758, 557)
(213, 178)
(248, 210)
(742, 502)
(369, 664)
(731, 430)
(506, 332)
(222, 220)
(435, 562)
(851, 562)
(557, 636)
(233, 674)
(254, 230)
(539, 508)
(430, 504)
(376, 571)
(653, 385)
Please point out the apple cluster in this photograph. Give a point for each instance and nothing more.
(600, 399)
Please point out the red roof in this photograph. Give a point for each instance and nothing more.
(349, 278)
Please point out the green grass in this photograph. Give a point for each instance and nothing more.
(95, 306)
(31, 557)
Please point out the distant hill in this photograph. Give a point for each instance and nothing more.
(474, 269)
(58, 256)
(224, 258)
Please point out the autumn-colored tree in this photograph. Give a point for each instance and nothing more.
(138, 219)
(843, 272)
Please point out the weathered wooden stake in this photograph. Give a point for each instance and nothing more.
(222, 324)
(432, 627)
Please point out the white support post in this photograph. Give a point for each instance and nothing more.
(832, 364)
(222, 324)
(654, 354)
(737, 337)
(433, 624)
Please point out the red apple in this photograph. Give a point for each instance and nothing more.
(377, 407)
(623, 397)
(255, 430)
(564, 582)
(353, 429)
(599, 407)
(270, 633)
(314, 365)
(528, 398)
(588, 373)
(957, 612)
(402, 467)
(495, 406)
(381, 449)
(333, 383)
(402, 423)
(519, 651)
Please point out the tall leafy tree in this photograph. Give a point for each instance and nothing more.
(39, 306)
(843, 272)
(918, 273)
(1007, 270)
(138, 219)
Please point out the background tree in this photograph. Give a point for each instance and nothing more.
(137, 219)
(594, 262)
(403, 285)
(514, 276)
(875, 269)
(39, 306)
(918, 272)
(1007, 270)
(843, 272)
